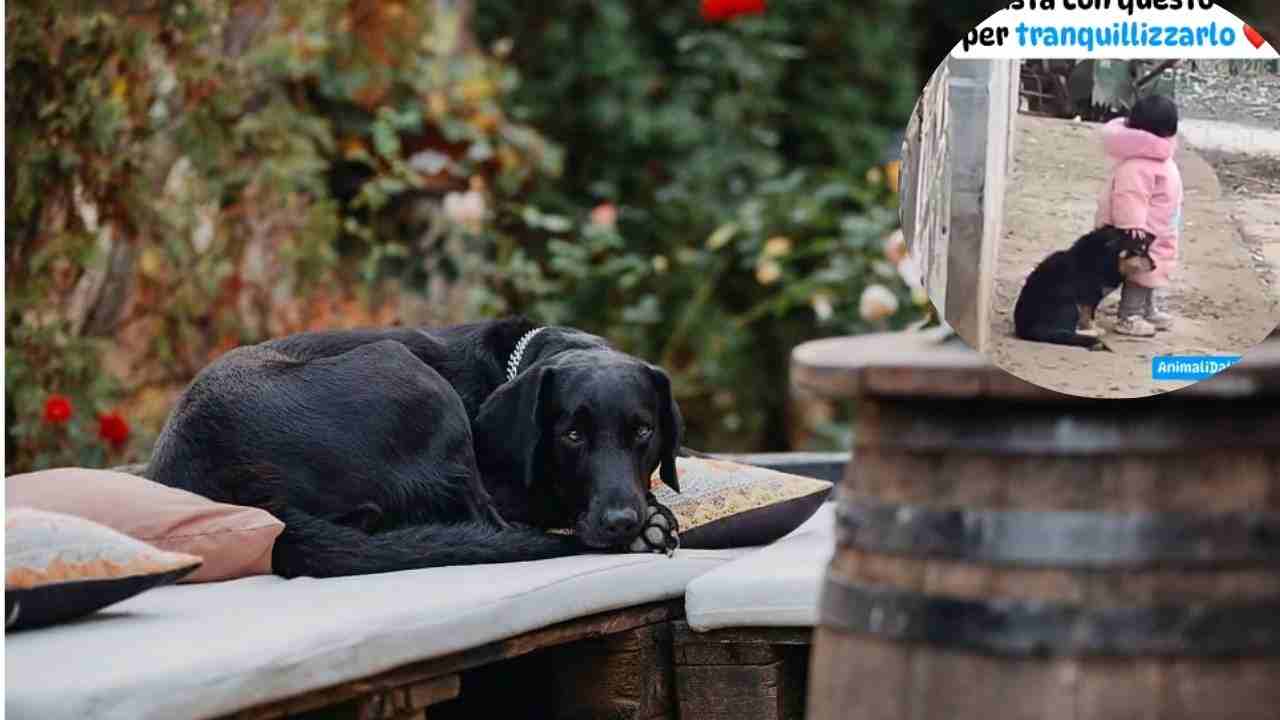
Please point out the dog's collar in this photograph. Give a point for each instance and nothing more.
(513, 364)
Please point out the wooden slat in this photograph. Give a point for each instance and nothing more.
(732, 692)
(593, 626)
(741, 673)
(695, 653)
(748, 635)
(625, 676)
(383, 696)
(405, 702)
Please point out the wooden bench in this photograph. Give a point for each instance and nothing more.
(642, 663)
(638, 663)
(609, 665)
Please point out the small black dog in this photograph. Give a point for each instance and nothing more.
(1058, 301)
(401, 448)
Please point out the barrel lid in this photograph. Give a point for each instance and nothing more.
(936, 363)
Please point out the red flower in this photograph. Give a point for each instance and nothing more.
(718, 10)
(113, 428)
(604, 215)
(57, 409)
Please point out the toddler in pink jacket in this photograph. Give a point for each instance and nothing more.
(1144, 192)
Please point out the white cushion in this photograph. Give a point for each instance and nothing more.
(198, 651)
(777, 586)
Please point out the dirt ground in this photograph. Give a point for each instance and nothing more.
(1251, 187)
(1221, 305)
(1211, 92)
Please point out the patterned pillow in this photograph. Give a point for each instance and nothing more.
(232, 541)
(59, 567)
(724, 504)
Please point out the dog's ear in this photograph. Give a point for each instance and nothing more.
(509, 426)
(672, 427)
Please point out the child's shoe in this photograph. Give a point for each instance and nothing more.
(1135, 326)
(1158, 318)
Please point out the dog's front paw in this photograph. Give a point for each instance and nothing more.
(1101, 347)
(1092, 331)
(661, 531)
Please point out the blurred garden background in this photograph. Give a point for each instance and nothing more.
(706, 183)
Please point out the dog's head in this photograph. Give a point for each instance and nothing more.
(583, 432)
(1132, 250)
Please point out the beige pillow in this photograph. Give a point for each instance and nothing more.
(60, 567)
(233, 541)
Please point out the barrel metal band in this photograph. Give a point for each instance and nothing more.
(1065, 539)
(1046, 629)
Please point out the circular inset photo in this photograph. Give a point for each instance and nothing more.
(1105, 228)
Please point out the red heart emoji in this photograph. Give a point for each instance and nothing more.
(1254, 36)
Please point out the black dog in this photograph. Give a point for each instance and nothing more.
(1058, 302)
(403, 448)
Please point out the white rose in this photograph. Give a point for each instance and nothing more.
(877, 303)
(465, 208)
(895, 246)
(822, 306)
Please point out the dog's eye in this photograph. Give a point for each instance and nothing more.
(643, 432)
(572, 436)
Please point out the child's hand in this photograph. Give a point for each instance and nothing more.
(1141, 236)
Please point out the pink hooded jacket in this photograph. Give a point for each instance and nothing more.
(1145, 191)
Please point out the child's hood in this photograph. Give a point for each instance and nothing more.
(1123, 142)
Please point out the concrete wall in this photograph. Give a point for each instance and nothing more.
(958, 151)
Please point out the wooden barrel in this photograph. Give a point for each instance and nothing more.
(1004, 551)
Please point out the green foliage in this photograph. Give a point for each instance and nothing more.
(144, 150)
(88, 98)
(132, 141)
(705, 195)
(51, 361)
(711, 140)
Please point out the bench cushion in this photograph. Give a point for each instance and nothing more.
(776, 586)
(197, 651)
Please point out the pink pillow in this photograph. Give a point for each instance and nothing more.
(233, 541)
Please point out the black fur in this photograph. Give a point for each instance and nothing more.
(1062, 294)
(388, 449)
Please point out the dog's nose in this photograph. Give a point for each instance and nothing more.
(620, 524)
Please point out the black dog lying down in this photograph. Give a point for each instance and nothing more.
(402, 448)
(1058, 302)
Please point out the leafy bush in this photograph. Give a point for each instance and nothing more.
(89, 101)
(742, 160)
(175, 187)
(189, 176)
